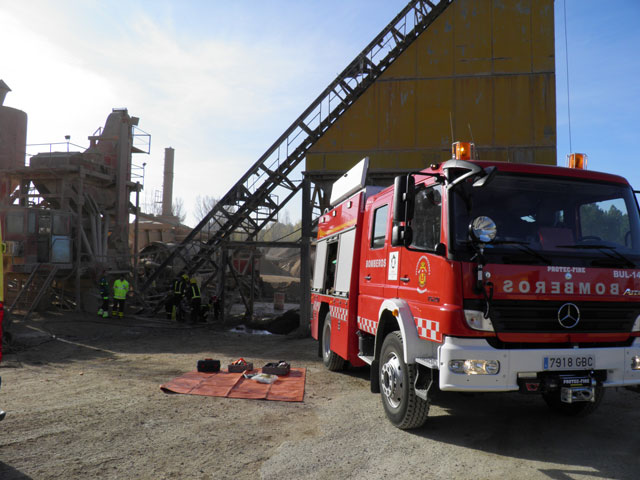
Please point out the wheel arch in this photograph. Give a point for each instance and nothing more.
(395, 314)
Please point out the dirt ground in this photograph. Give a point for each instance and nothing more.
(87, 404)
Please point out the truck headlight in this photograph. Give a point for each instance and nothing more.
(476, 321)
(475, 367)
(636, 325)
(635, 362)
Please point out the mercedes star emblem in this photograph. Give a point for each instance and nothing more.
(569, 315)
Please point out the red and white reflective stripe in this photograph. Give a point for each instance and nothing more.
(315, 310)
(428, 329)
(367, 325)
(339, 313)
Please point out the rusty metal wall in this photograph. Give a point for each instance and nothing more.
(13, 137)
(13, 145)
(486, 64)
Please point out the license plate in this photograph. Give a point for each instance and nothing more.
(569, 362)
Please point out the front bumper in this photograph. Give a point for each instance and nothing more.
(616, 362)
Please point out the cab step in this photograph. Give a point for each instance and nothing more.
(368, 359)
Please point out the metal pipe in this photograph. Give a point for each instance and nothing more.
(79, 236)
(94, 231)
(121, 227)
(99, 253)
(135, 238)
(105, 238)
(87, 245)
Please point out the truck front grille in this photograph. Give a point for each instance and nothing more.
(515, 316)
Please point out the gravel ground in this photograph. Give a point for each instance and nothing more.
(87, 404)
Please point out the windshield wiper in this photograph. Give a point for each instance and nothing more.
(608, 250)
(524, 247)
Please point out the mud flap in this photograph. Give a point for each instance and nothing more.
(424, 381)
(375, 377)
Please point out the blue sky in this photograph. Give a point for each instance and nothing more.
(219, 81)
(604, 87)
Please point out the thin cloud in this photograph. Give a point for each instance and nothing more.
(194, 96)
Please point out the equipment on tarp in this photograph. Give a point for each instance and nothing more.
(208, 365)
(239, 366)
(261, 377)
(277, 368)
(288, 388)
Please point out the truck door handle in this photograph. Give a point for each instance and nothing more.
(404, 279)
(367, 278)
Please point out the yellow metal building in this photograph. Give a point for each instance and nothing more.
(483, 68)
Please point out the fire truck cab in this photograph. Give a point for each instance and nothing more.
(481, 277)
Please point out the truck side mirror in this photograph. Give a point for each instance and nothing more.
(403, 198)
(440, 249)
(401, 236)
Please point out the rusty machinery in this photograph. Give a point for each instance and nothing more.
(66, 214)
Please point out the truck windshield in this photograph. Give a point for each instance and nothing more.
(564, 221)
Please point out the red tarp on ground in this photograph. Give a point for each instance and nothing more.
(288, 388)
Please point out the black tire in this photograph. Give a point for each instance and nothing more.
(403, 407)
(331, 360)
(578, 409)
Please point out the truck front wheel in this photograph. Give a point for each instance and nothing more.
(403, 407)
(331, 360)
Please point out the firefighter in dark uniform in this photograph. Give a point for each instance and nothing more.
(104, 295)
(179, 290)
(194, 299)
(215, 303)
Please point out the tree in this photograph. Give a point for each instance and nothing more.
(204, 204)
(608, 224)
(285, 231)
(149, 205)
(177, 209)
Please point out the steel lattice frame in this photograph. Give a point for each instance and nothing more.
(251, 203)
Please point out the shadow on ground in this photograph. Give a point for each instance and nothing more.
(61, 338)
(522, 426)
(9, 473)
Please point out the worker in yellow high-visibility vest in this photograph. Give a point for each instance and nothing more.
(120, 291)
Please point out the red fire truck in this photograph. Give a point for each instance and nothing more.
(481, 277)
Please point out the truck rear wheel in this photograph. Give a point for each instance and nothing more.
(578, 409)
(331, 360)
(403, 407)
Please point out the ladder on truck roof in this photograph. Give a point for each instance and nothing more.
(251, 203)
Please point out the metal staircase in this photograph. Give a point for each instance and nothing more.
(34, 289)
(254, 200)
